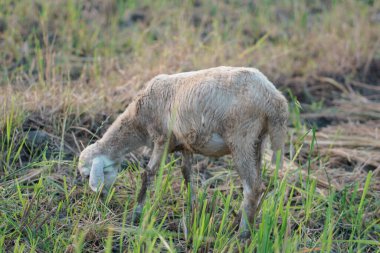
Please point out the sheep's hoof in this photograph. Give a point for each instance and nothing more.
(244, 235)
(136, 216)
(236, 222)
(104, 193)
(193, 203)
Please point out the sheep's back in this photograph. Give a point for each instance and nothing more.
(204, 102)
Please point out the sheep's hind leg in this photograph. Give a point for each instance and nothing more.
(147, 179)
(247, 157)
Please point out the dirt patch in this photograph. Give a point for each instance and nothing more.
(330, 87)
(354, 143)
(39, 139)
(370, 72)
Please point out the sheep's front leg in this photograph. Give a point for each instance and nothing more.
(186, 173)
(147, 178)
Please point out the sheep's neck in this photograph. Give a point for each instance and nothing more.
(123, 136)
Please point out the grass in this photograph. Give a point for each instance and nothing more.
(69, 67)
(48, 212)
(44, 209)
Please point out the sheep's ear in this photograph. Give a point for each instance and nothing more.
(97, 174)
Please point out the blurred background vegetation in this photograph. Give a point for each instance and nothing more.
(108, 44)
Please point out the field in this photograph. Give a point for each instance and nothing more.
(69, 67)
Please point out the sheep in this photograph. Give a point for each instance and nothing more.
(213, 112)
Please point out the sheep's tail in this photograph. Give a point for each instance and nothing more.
(277, 127)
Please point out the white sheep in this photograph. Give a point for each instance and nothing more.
(214, 112)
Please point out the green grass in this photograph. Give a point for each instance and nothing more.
(69, 67)
(50, 211)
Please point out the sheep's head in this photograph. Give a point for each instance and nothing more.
(100, 169)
